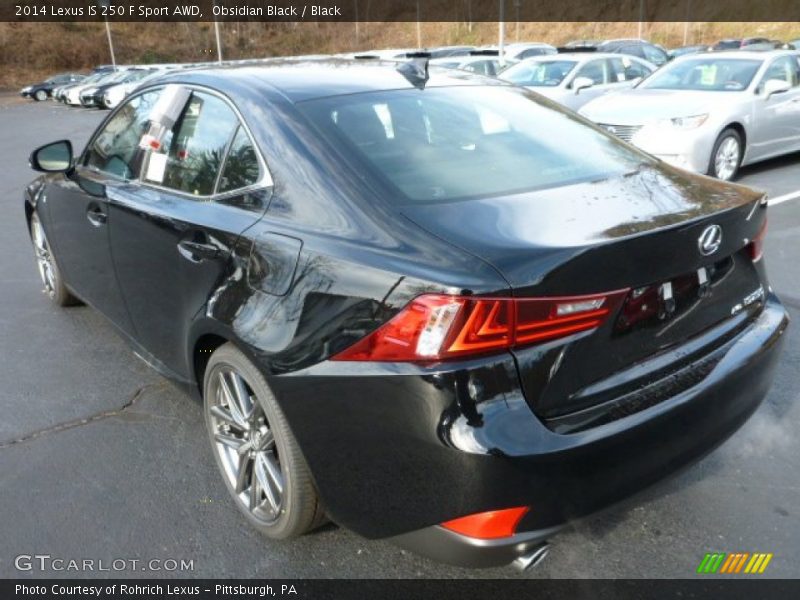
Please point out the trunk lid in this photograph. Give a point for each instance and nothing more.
(639, 232)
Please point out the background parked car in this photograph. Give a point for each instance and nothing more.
(93, 96)
(72, 95)
(41, 91)
(641, 48)
(116, 93)
(684, 50)
(711, 113)
(752, 43)
(483, 62)
(575, 79)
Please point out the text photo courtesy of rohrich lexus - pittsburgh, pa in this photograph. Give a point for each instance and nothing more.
(427, 298)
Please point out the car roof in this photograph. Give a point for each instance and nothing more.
(307, 79)
(734, 54)
(578, 56)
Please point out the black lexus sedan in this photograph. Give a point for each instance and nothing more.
(427, 305)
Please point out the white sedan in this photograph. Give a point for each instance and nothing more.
(573, 79)
(711, 113)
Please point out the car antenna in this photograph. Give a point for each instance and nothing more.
(416, 69)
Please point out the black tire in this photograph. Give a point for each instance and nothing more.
(730, 167)
(47, 264)
(300, 508)
(40, 96)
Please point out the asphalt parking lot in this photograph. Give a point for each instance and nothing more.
(101, 458)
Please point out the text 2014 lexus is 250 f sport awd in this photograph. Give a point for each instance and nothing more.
(430, 306)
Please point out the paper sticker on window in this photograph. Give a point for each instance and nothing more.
(156, 166)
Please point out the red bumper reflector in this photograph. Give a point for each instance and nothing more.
(489, 525)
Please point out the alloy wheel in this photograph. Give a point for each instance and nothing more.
(246, 447)
(726, 161)
(41, 95)
(44, 258)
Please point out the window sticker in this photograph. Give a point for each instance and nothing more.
(156, 166)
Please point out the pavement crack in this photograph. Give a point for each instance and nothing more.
(59, 427)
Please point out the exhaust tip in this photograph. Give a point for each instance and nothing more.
(531, 558)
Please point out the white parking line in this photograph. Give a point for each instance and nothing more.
(790, 196)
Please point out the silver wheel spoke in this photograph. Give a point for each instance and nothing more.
(225, 415)
(253, 490)
(243, 396)
(231, 400)
(265, 479)
(274, 471)
(241, 475)
(229, 441)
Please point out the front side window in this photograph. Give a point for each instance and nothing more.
(783, 69)
(115, 150)
(451, 143)
(539, 74)
(596, 70)
(197, 146)
(484, 67)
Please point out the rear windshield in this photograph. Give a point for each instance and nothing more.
(448, 143)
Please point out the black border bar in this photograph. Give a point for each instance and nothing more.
(405, 589)
(401, 10)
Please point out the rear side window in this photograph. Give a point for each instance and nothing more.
(115, 150)
(448, 143)
(198, 144)
(484, 67)
(597, 71)
(241, 168)
(627, 69)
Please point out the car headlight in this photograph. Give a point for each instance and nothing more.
(691, 122)
(26, 89)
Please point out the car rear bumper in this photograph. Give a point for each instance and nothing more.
(397, 450)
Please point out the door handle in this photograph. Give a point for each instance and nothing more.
(96, 215)
(198, 251)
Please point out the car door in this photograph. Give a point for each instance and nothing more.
(77, 206)
(202, 184)
(776, 120)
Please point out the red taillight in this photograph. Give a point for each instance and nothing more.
(437, 327)
(756, 245)
(488, 525)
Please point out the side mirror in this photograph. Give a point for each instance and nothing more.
(581, 83)
(775, 86)
(55, 157)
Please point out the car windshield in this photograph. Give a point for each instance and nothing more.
(705, 73)
(548, 73)
(446, 143)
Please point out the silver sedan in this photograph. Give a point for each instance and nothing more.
(573, 79)
(710, 113)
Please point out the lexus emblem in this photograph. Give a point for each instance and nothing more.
(710, 240)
